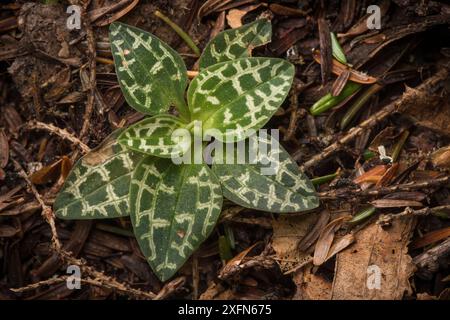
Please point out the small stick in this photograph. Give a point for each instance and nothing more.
(346, 193)
(179, 31)
(92, 54)
(408, 97)
(39, 284)
(102, 280)
(429, 259)
(63, 133)
(47, 212)
(192, 74)
(386, 219)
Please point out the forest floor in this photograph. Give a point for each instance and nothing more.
(383, 228)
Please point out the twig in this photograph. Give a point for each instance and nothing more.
(428, 261)
(92, 54)
(102, 280)
(386, 219)
(260, 261)
(47, 212)
(409, 97)
(179, 31)
(170, 287)
(347, 193)
(64, 134)
(39, 284)
(307, 261)
(99, 279)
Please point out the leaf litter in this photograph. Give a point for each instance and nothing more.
(292, 256)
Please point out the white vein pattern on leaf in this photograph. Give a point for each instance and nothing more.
(236, 40)
(210, 205)
(179, 219)
(149, 170)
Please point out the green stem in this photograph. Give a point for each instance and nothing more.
(224, 249)
(323, 179)
(328, 101)
(358, 104)
(179, 31)
(367, 212)
(183, 110)
(399, 145)
(338, 52)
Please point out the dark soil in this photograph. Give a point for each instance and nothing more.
(53, 76)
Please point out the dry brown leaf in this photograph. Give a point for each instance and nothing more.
(376, 249)
(314, 233)
(373, 175)
(340, 244)
(234, 16)
(47, 174)
(393, 203)
(339, 83)
(388, 175)
(361, 26)
(237, 260)
(431, 237)
(338, 68)
(288, 231)
(281, 10)
(110, 13)
(441, 157)
(325, 240)
(7, 231)
(4, 149)
(431, 112)
(216, 291)
(211, 6)
(311, 286)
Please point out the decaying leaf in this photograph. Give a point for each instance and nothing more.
(395, 203)
(338, 68)
(310, 238)
(234, 16)
(377, 266)
(325, 240)
(51, 172)
(431, 237)
(340, 244)
(441, 157)
(311, 286)
(237, 260)
(433, 112)
(4, 149)
(288, 231)
(372, 176)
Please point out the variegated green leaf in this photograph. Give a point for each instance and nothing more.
(238, 95)
(174, 208)
(236, 43)
(152, 75)
(98, 185)
(285, 189)
(153, 136)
